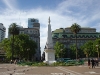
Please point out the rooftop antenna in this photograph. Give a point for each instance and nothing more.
(72, 19)
(19, 18)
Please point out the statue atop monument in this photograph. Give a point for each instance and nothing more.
(49, 20)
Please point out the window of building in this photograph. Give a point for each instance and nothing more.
(32, 20)
(26, 30)
(33, 31)
(36, 32)
(30, 31)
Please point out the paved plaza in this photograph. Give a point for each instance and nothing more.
(12, 69)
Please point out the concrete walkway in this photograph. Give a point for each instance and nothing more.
(12, 69)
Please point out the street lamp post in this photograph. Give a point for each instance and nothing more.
(98, 50)
(61, 52)
(28, 53)
(87, 54)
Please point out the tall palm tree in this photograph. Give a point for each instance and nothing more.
(13, 30)
(75, 28)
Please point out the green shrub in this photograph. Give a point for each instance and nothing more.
(45, 64)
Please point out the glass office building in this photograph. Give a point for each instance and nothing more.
(32, 22)
(2, 32)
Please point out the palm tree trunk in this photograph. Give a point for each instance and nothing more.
(98, 52)
(98, 55)
(76, 45)
(87, 56)
(12, 47)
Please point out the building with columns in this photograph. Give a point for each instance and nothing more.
(66, 37)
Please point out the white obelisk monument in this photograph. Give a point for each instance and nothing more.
(49, 50)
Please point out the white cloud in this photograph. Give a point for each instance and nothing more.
(60, 17)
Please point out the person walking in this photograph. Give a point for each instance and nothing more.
(11, 61)
(93, 63)
(96, 62)
(89, 63)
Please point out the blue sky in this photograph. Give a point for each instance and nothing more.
(63, 13)
(29, 4)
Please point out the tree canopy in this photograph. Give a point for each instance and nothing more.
(24, 47)
(14, 29)
(59, 50)
(75, 28)
(88, 48)
(96, 47)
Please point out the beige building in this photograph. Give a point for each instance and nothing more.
(34, 34)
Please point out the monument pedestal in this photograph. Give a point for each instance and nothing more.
(49, 56)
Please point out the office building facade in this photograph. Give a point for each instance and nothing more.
(34, 25)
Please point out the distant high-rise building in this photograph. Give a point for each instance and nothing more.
(2, 32)
(33, 23)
